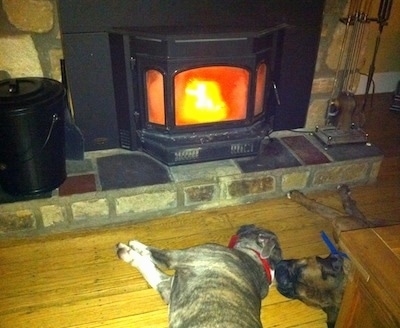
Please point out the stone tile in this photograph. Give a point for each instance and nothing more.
(51, 215)
(95, 208)
(144, 202)
(250, 186)
(273, 155)
(26, 63)
(340, 174)
(55, 56)
(305, 150)
(79, 167)
(17, 220)
(353, 151)
(130, 170)
(32, 16)
(375, 170)
(207, 170)
(316, 114)
(294, 180)
(199, 194)
(78, 184)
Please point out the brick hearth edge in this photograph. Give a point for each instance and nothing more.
(195, 187)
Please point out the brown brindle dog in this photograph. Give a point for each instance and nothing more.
(320, 281)
(213, 285)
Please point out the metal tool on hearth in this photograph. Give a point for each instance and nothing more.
(344, 119)
(74, 143)
(385, 8)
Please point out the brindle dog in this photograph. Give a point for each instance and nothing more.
(320, 281)
(213, 285)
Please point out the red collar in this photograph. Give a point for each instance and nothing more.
(264, 261)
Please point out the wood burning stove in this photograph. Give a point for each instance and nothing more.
(202, 93)
(104, 66)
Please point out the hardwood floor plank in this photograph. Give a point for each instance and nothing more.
(281, 315)
(82, 311)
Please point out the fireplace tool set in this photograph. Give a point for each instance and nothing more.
(344, 119)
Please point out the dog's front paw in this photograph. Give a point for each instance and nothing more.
(124, 252)
(344, 189)
(293, 193)
(138, 247)
(134, 253)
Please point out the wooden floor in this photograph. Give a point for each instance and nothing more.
(75, 279)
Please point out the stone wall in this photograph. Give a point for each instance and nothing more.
(30, 45)
(327, 60)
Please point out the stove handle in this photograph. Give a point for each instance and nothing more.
(278, 100)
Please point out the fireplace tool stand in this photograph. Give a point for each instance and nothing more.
(342, 108)
(331, 136)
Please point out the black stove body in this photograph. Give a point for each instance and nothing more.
(131, 75)
(201, 93)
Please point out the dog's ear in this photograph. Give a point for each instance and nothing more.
(246, 228)
(331, 265)
(268, 243)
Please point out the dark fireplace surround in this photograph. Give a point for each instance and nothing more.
(138, 72)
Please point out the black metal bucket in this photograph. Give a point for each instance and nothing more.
(32, 135)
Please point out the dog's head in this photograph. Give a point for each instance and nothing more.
(263, 241)
(315, 281)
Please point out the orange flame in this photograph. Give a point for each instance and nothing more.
(203, 102)
(210, 94)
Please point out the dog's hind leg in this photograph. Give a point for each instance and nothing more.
(313, 206)
(340, 221)
(139, 256)
(350, 205)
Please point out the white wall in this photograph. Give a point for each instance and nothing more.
(384, 82)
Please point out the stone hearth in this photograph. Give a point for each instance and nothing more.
(115, 186)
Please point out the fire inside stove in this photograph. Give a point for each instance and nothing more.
(203, 97)
(210, 94)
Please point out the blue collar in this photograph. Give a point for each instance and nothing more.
(331, 246)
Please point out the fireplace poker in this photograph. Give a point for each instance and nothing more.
(74, 144)
(383, 17)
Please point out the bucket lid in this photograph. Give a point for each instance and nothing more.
(20, 93)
